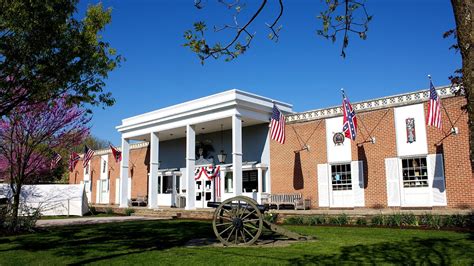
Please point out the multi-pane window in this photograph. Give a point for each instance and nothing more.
(341, 177)
(415, 172)
(104, 166)
(250, 181)
(228, 182)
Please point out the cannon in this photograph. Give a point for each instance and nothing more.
(240, 221)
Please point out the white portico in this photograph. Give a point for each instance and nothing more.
(232, 122)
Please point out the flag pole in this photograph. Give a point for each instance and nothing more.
(372, 139)
(453, 129)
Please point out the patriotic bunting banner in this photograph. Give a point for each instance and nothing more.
(210, 172)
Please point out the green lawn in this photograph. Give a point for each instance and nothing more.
(161, 242)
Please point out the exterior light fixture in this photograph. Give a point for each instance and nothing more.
(222, 155)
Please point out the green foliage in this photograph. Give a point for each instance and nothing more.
(378, 220)
(109, 210)
(47, 51)
(92, 210)
(341, 219)
(361, 221)
(409, 219)
(393, 220)
(129, 211)
(294, 220)
(271, 217)
(431, 220)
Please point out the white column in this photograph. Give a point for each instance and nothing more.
(259, 177)
(237, 153)
(124, 173)
(173, 190)
(153, 175)
(190, 164)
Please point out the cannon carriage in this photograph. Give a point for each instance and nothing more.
(240, 221)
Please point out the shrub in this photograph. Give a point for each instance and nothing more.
(361, 221)
(341, 219)
(109, 210)
(456, 220)
(129, 211)
(409, 219)
(294, 220)
(377, 220)
(319, 219)
(271, 217)
(92, 210)
(393, 220)
(430, 220)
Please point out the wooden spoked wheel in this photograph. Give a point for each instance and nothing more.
(238, 221)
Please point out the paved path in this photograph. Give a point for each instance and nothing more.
(92, 220)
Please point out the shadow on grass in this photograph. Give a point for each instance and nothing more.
(89, 243)
(100, 242)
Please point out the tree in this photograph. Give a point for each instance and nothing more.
(340, 17)
(463, 12)
(46, 49)
(29, 138)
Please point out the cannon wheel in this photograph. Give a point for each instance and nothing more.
(240, 224)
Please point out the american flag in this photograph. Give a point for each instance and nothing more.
(88, 153)
(73, 159)
(116, 153)
(277, 126)
(350, 120)
(57, 157)
(434, 112)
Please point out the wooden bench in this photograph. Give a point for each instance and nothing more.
(289, 199)
(139, 201)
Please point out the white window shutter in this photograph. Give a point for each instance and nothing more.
(357, 174)
(98, 190)
(323, 185)
(393, 181)
(436, 176)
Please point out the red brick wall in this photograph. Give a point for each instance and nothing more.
(380, 124)
(288, 173)
(139, 160)
(455, 148)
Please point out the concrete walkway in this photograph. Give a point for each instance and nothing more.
(92, 220)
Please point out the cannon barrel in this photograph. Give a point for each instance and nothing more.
(229, 206)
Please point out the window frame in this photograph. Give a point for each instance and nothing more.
(345, 172)
(414, 176)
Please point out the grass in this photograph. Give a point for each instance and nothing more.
(75, 217)
(162, 242)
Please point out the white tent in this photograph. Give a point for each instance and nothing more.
(52, 199)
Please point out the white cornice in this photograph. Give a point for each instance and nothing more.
(232, 99)
(370, 105)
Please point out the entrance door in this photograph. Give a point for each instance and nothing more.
(104, 191)
(342, 195)
(204, 191)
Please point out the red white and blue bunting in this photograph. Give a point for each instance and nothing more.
(211, 172)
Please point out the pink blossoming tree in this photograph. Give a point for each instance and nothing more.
(28, 137)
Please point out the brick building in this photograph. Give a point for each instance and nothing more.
(395, 161)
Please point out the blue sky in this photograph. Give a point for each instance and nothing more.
(404, 44)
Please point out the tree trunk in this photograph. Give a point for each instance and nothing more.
(463, 12)
(15, 207)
